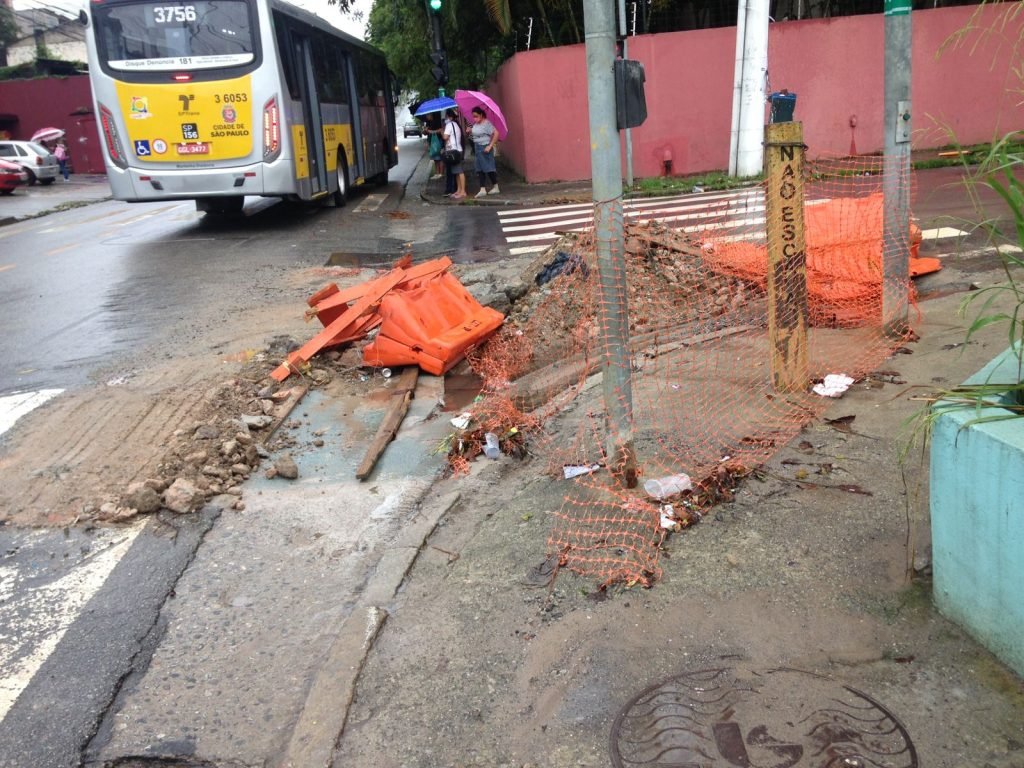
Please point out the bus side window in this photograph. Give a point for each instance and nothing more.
(340, 74)
(286, 53)
(359, 62)
(330, 78)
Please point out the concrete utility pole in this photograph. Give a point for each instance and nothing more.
(896, 175)
(745, 151)
(606, 173)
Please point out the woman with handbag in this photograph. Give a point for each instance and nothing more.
(484, 136)
(453, 154)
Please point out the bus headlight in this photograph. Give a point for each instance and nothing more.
(271, 130)
(109, 129)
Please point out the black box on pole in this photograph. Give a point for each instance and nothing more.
(630, 102)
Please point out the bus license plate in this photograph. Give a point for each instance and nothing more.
(199, 148)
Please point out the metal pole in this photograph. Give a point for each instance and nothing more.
(606, 174)
(896, 171)
(628, 131)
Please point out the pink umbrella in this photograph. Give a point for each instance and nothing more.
(469, 99)
(48, 134)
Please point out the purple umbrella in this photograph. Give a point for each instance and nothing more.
(469, 99)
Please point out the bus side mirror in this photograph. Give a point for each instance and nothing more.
(630, 102)
(83, 18)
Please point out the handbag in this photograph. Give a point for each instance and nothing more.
(452, 156)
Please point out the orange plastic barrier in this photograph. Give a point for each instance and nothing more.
(348, 315)
(844, 259)
(432, 326)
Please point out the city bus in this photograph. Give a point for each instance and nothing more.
(212, 100)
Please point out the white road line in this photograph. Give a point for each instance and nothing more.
(34, 620)
(527, 249)
(13, 407)
(942, 233)
(371, 203)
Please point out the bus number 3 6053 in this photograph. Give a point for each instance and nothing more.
(231, 98)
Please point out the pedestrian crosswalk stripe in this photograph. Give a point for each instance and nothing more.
(645, 202)
(942, 233)
(529, 230)
(38, 617)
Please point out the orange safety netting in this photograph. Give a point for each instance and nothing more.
(699, 390)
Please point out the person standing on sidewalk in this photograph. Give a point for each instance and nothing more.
(435, 127)
(453, 148)
(61, 153)
(485, 136)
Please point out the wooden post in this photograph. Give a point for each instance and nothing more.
(787, 259)
(400, 397)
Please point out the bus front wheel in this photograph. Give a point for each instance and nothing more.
(221, 205)
(341, 195)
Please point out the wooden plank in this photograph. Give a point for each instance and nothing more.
(356, 292)
(399, 406)
(284, 410)
(670, 241)
(787, 257)
(338, 327)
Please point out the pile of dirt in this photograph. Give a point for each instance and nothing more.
(667, 281)
(234, 434)
(172, 437)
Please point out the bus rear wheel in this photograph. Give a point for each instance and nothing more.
(221, 205)
(341, 194)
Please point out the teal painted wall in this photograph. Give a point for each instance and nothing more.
(977, 510)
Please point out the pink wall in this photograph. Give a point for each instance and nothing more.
(50, 102)
(835, 66)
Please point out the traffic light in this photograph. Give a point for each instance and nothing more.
(435, 5)
(440, 68)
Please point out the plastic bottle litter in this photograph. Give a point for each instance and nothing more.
(666, 487)
(491, 449)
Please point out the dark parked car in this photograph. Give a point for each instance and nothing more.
(11, 176)
(414, 128)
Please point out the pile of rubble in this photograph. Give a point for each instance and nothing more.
(237, 434)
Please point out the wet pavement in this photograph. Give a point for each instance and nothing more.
(38, 200)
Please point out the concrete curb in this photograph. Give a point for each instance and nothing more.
(325, 713)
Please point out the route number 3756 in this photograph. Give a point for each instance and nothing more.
(169, 14)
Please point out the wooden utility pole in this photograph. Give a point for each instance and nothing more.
(787, 258)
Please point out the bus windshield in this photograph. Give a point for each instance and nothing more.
(203, 34)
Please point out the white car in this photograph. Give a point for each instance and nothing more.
(39, 163)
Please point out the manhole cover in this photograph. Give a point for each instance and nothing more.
(775, 718)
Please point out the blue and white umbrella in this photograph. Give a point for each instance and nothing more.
(440, 104)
